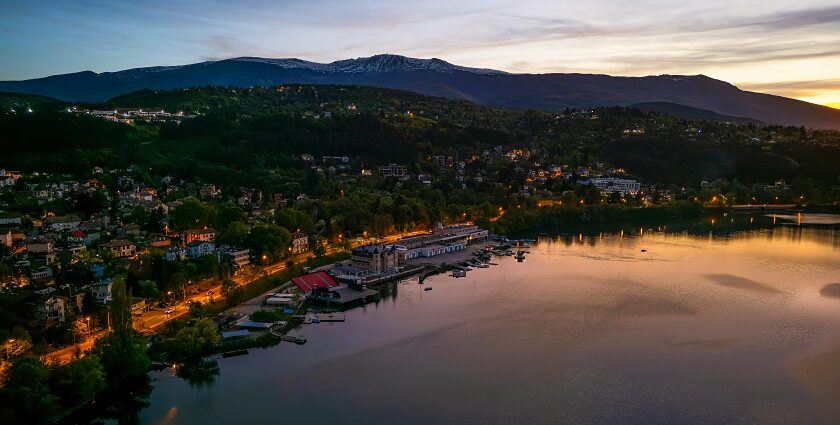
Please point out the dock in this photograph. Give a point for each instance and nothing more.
(321, 317)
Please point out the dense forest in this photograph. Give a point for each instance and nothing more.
(255, 138)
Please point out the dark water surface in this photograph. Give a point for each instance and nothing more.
(737, 328)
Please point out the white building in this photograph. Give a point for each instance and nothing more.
(200, 248)
(101, 291)
(393, 170)
(615, 185)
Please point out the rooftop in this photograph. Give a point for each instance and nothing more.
(308, 282)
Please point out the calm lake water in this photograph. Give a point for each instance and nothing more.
(723, 327)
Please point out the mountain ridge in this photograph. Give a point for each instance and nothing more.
(436, 77)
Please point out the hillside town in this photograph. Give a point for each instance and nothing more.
(58, 269)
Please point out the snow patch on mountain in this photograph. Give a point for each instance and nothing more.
(372, 64)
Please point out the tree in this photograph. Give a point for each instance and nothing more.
(193, 213)
(383, 224)
(209, 265)
(294, 220)
(26, 395)
(80, 327)
(197, 309)
(123, 357)
(227, 287)
(192, 341)
(235, 234)
(122, 352)
(90, 202)
(120, 308)
(223, 271)
(228, 213)
(175, 284)
(318, 249)
(17, 342)
(79, 381)
(148, 289)
(153, 224)
(269, 241)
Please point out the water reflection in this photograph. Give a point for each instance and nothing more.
(199, 374)
(824, 230)
(732, 322)
(121, 406)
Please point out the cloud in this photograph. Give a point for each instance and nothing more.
(795, 88)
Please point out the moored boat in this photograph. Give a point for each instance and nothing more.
(297, 339)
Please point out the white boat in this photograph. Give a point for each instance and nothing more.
(294, 338)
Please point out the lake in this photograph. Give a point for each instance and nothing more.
(724, 326)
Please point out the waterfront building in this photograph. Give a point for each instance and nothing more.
(320, 286)
(444, 240)
(375, 259)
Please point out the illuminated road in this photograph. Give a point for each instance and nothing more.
(148, 321)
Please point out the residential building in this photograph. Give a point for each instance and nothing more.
(101, 291)
(615, 185)
(49, 309)
(73, 303)
(200, 248)
(206, 234)
(236, 256)
(300, 243)
(120, 248)
(176, 253)
(393, 170)
(63, 222)
(210, 191)
(10, 219)
(42, 272)
(160, 242)
(40, 246)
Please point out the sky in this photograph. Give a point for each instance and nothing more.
(789, 48)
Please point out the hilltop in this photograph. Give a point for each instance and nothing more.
(548, 92)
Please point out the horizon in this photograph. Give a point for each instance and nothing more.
(786, 51)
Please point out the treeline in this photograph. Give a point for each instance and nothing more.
(254, 137)
(571, 217)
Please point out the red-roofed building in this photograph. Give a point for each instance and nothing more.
(309, 282)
